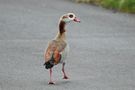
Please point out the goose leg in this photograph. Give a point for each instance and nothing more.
(51, 82)
(63, 70)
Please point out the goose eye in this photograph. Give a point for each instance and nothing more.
(71, 16)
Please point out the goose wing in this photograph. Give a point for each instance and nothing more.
(55, 49)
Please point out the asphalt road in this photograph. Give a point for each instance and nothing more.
(102, 46)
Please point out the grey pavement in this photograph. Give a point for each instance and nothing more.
(102, 46)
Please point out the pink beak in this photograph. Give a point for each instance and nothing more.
(77, 20)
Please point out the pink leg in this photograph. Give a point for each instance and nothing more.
(51, 82)
(63, 70)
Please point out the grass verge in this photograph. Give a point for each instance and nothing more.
(119, 5)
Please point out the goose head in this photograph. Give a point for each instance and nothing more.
(69, 17)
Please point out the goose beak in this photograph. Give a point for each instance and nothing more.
(77, 20)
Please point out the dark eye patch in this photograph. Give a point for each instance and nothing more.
(71, 16)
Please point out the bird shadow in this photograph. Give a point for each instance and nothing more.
(58, 83)
(63, 82)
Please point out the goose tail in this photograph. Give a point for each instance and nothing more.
(50, 63)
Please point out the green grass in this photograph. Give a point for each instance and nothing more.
(127, 6)
(120, 5)
(110, 3)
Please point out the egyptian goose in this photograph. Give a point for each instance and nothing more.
(56, 51)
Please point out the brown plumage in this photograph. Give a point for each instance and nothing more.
(62, 27)
(57, 49)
